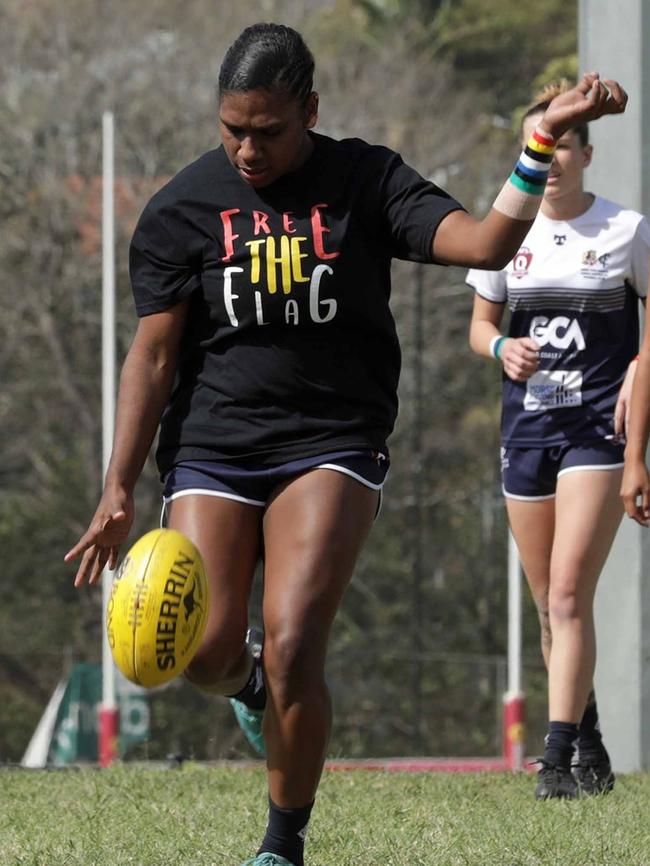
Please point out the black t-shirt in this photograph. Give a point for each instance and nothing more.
(290, 347)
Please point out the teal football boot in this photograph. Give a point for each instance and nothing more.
(249, 719)
(268, 859)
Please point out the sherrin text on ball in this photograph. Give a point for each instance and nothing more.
(158, 608)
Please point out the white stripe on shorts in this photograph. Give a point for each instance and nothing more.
(603, 466)
(345, 471)
(201, 491)
(527, 498)
(352, 474)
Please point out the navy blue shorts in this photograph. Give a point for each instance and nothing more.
(249, 483)
(532, 473)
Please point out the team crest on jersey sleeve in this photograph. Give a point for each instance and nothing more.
(521, 262)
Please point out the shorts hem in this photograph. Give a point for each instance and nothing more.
(586, 466)
(352, 474)
(202, 491)
(521, 498)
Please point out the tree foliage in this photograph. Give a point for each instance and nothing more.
(498, 46)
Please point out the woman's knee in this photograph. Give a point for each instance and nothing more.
(293, 663)
(567, 599)
(218, 657)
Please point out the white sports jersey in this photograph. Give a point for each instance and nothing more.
(574, 288)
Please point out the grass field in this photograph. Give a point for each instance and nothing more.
(214, 816)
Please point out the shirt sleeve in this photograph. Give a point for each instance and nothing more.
(413, 208)
(490, 285)
(640, 256)
(162, 267)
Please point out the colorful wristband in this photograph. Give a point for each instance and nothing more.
(496, 344)
(522, 193)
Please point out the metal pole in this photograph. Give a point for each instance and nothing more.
(514, 617)
(108, 709)
(417, 481)
(514, 706)
(614, 40)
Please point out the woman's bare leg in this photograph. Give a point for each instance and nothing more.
(533, 528)
(227, 534)
(588, 513)
(314, 529)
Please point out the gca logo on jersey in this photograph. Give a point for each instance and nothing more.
(560, 332)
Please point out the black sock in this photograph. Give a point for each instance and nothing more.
(285, 832)
(589, 736)
(559, 743)
(254, 692)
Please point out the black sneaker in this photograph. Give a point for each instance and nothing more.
(593, 774)
(555, 782)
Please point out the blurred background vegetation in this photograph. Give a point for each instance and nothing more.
(417, 663)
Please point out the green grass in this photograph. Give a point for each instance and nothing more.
(214, 816)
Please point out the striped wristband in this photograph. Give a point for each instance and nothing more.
(496, 344)
(522, 193)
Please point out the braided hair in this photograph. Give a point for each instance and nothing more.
(268, 57)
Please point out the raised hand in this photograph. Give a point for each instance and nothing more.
(100, 544)
(590, 99)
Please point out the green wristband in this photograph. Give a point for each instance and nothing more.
(498, 345)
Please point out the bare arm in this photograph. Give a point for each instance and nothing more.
(635, 486)
(145, 385)
(490, 243)
(624, 400)
(520, 357)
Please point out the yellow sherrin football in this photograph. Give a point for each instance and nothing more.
(158, 608)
